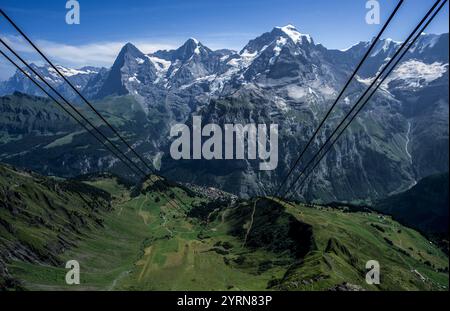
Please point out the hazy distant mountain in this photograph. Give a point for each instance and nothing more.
(78, 77)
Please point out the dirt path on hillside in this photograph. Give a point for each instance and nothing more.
(120, 277)
(148, 253)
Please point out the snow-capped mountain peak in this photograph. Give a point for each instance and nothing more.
(129, 50)
(386, 46)
(194, 40)
(191, 47)
(294, 34)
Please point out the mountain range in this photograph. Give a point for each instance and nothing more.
(20, 83)
(283, 77)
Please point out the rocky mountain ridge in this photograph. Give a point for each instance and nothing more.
(284, 77)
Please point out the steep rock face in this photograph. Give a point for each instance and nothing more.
(131, 68)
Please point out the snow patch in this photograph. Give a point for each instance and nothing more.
(277, 49)
(281, 104)
(327, 90)
(134, 79)
(68, 72)
(366, 81)
(246, 55)
(296, 92)
(388, 43)
(160, 64)
(347, 101)
(417, 74)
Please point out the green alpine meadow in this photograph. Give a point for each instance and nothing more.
(131, 238)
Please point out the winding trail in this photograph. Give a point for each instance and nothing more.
(165, 225)
(163, 215)
(148, 253)
(140, 209)
(121, 276)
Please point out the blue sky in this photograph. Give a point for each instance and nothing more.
(161, 24)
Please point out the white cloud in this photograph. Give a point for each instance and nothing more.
(94, 54)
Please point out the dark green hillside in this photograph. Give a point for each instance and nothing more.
(36, 134)
(22, 114)
(424, 207)
(42, 217)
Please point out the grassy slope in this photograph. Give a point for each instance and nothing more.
(146, 244)
(41, 217)
(354, 238)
